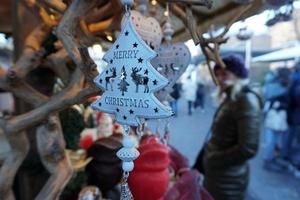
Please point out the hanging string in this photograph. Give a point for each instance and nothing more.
(141, 128)
(166, 137)
(167, 12)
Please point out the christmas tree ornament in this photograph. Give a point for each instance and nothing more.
(129, 83)
(129, 80)
(172, 61)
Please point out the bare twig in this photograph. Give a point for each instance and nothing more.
(206, 3)
(51, 147)
(56, 5)
(19, 148)
(66, 33)
(32, 54)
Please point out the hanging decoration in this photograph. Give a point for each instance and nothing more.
(244, 33)
(148, 27)
(129, 83)
(172, 60)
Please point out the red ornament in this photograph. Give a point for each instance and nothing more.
(86, 141)
(150, 177)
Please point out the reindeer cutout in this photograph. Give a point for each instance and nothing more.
(167, 69)
(139, 80)
(109, 79)
(174, 68)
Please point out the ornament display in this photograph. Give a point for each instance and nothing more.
(129, 83)
(148, 28)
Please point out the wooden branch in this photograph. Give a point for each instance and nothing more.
(99, 14)
(191, 24)
(25, 92)
(47, 19)
(56, 5)
(58, 63)
(66, 33)
(51, 148)
(32, 54)
(65, 99)
(19, 148)
(101, 26)
(206, 3)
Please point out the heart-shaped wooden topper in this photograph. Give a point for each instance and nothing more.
(148, 28)
(172, 62)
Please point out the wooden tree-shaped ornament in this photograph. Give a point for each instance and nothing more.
(129, 81)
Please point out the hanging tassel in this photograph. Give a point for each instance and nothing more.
(125, 190)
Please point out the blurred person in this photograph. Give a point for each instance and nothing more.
(234, 133)
(189, 92)
(175, 94)
(200, 96)
(293, 114)
(276, 128)
(273, 87)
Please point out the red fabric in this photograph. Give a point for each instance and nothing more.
(178, 161)
(150, 177)
(92, 99)
(187, 187)
(85, 142)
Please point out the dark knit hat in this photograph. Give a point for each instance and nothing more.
(235, 64)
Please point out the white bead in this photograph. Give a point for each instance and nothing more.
(127, 166)
(127, 2)
(142, 8)
(127, 155)
(128, 142)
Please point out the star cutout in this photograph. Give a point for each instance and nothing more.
(140, 60)
(154, 82)
(156, 110)
(106, 72)
(146, 72)
(131, 112)
(135, 45)
(124, 117)
(126, 33)
(118, 110)
(117, 46)
(100, 81)
(100, 104)
(111, 61)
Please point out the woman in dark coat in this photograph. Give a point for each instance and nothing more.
(235, 133)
